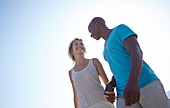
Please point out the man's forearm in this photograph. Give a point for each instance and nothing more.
(113, 82)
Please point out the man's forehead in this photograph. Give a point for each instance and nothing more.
(90, 25)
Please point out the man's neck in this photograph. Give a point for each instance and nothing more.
(107, 34)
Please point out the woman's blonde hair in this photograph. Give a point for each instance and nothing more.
(71, 47)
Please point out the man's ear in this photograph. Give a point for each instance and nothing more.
(96, 24)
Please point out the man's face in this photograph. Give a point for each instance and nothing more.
(94, 31)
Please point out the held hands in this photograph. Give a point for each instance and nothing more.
(131, 94)
(109, 93)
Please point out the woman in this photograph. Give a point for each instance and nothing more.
(84, 77)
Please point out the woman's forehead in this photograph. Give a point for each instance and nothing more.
(77, 41)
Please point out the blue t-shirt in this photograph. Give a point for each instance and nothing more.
(119, 59)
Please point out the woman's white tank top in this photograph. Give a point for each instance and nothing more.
(88, 86)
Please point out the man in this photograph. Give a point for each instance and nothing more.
(136, 83)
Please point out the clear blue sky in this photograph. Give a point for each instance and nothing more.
(34, 39)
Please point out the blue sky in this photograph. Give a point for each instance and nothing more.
(34, 39)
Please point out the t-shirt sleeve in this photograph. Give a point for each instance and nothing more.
(124, 31)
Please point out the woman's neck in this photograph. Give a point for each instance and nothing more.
(80, 60)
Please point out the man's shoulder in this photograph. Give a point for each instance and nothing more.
(122, 25)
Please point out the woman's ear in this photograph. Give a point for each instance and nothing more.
(72, 52)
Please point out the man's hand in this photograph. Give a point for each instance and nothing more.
(131, 94)
(109, 93)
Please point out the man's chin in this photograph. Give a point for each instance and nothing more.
(98, 38)
(95, 38)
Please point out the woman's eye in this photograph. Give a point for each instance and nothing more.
(75, 44)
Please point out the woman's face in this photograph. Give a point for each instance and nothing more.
(78, 47)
